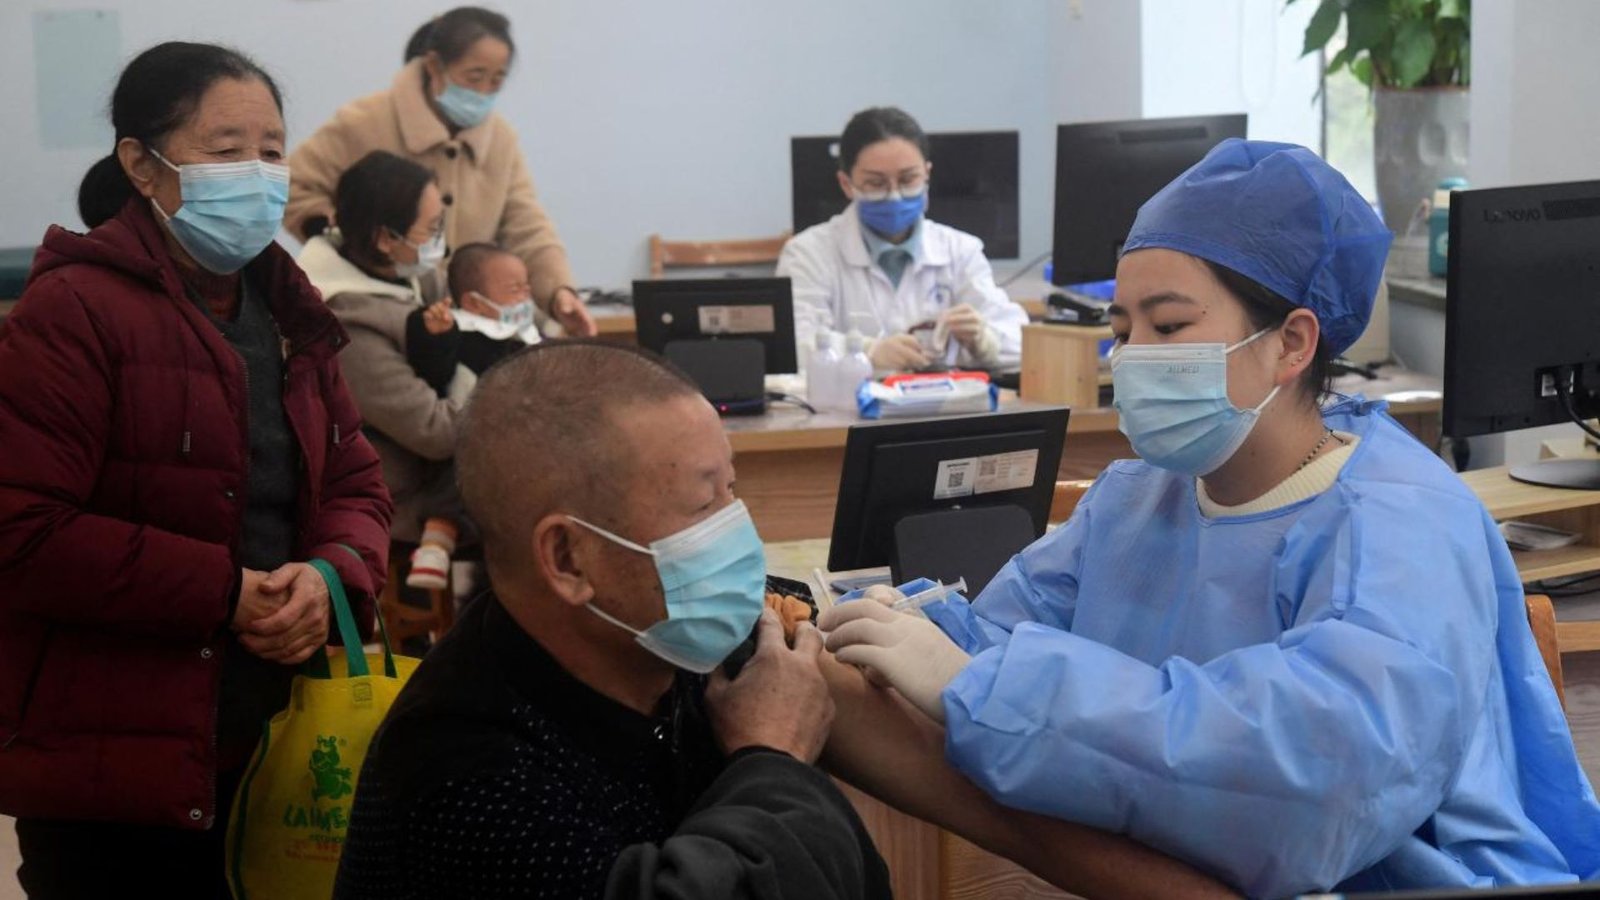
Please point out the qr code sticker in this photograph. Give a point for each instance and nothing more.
(986, 467)
(957, 479)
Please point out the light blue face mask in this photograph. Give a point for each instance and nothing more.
(714, 575)
(429, 254)
(1172, 403)
(464, 106)
(230, 212)
(892, 215)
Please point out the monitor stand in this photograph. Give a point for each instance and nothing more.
(1577, 474)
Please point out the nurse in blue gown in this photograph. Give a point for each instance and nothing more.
(1287, 644)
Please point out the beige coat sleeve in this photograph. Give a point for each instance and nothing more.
(314, 170)
(527, 231)
(394, 400)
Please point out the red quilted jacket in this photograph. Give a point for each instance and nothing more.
(123, 467)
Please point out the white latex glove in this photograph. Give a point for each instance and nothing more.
(907, 651)
(883, 593)
(896, 352)
(968, 327)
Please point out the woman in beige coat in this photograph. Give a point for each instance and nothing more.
(439, 113)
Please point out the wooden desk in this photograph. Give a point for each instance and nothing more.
(615, 322)
(1571, 510)
(788, 461)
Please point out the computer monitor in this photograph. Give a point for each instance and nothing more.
(894, 472)
(693, 309)
(1522, 317)
(974, 187)
(1105, 171)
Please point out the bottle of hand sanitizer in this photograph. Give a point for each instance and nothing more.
(853, 370)
(822, 370)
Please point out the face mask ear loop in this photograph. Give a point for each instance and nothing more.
(612, 619)
(1248, 340)
(1270, 394)
(614, 538)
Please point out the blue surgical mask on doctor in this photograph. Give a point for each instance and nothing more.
(1172, 403)
(894, 213)
(713, 574)
(230, 212)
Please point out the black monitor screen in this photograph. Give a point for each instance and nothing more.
(893, 470)
(1522, 307)
(1105, 171)
(681, 309)
(973, 187)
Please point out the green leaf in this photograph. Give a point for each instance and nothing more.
(1369, 23)
(1324, 22)
(1453, 9)
(1413, 52)
(1362, 69)
(1341, 59)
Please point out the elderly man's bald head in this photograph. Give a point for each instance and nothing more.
(542, 434)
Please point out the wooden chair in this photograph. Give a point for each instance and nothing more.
(404, 622)
(1542, 619)
(665, 254)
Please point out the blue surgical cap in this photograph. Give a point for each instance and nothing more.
(1279, 215)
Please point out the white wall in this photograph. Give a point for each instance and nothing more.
(1535, 77)
(640, 116)
(1202, 57)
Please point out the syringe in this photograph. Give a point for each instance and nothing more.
(922, 598)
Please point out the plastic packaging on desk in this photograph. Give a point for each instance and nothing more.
(951, 619)
(941, 394)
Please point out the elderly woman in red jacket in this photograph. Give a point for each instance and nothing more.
(178, 442)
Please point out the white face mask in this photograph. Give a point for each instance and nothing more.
(429, 254)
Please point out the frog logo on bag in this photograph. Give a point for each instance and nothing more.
(328, 779)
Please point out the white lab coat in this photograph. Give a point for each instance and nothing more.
(834, 277)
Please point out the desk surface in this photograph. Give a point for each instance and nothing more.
(787, 427)
(613, 318)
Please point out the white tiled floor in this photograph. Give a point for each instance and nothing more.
(1583, 710)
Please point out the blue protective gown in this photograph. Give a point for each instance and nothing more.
(1344, 692)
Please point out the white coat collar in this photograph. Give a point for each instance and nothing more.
(853, 242)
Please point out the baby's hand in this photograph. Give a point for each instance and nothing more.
(437, 318)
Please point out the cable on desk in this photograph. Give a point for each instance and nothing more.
(779, 397)
(1572, 408)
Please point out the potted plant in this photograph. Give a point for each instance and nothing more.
(1415, 55)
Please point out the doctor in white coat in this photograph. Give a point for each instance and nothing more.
(913, 287)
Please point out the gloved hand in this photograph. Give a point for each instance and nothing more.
(967, 326)
(907, 651)
(896, 352)
(888, 595)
